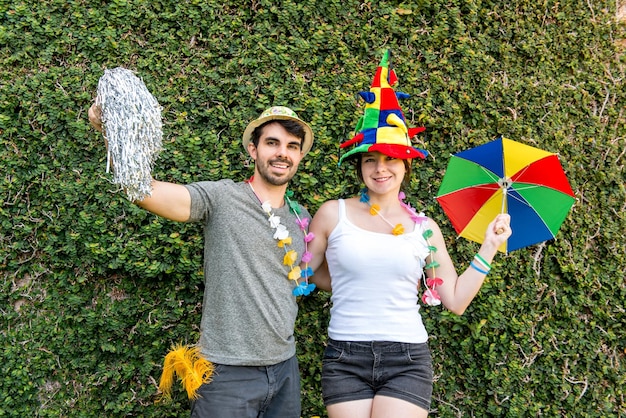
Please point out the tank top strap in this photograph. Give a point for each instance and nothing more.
(342, 210)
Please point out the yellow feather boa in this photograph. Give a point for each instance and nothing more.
(192, 370)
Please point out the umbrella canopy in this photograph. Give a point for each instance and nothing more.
(505, 176)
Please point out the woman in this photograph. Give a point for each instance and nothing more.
(377, 362)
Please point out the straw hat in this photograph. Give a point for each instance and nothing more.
(279, 113)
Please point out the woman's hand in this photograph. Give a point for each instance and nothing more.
(499, 230)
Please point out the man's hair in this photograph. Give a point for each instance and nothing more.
(291, 126)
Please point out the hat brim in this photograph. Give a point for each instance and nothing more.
(308, 132)
(402, 152)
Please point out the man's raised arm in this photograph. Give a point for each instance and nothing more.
(169, 200)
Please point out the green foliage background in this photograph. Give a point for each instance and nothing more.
(95, 290)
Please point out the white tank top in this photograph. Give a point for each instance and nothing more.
(374, 283)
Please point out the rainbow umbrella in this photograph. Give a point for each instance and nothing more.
(505, 176)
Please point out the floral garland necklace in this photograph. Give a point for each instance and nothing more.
(281, 234)
(431, 296)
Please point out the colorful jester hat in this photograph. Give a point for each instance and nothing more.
(383, 127)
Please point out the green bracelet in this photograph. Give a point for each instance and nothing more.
(483, 261)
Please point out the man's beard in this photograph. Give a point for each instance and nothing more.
(264, 172)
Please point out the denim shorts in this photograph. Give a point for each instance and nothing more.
(362, 369)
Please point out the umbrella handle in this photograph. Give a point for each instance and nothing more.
(505, 189)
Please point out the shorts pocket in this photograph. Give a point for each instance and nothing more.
(333, 353)
(418, 353)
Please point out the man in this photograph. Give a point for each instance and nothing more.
(249, 309)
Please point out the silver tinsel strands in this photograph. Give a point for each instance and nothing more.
(131, 120)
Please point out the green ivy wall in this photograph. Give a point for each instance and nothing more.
(93, 290)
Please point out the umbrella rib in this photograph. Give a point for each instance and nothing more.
(486, 186)
(534, 186)
(530, 186)
(490, 173)
(523, 201)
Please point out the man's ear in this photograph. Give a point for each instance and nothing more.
(252, 150)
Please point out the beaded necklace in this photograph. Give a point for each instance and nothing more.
(281, 235)
(431, 296)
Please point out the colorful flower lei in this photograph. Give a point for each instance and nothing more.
(281, 234)
(431, 296)
(304, 288)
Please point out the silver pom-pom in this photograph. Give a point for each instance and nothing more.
(131, 120)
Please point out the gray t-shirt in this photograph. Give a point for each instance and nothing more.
(249, 311)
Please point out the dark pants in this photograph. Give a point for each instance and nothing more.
(251, 392)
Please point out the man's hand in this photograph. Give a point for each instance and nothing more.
(95, 117)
